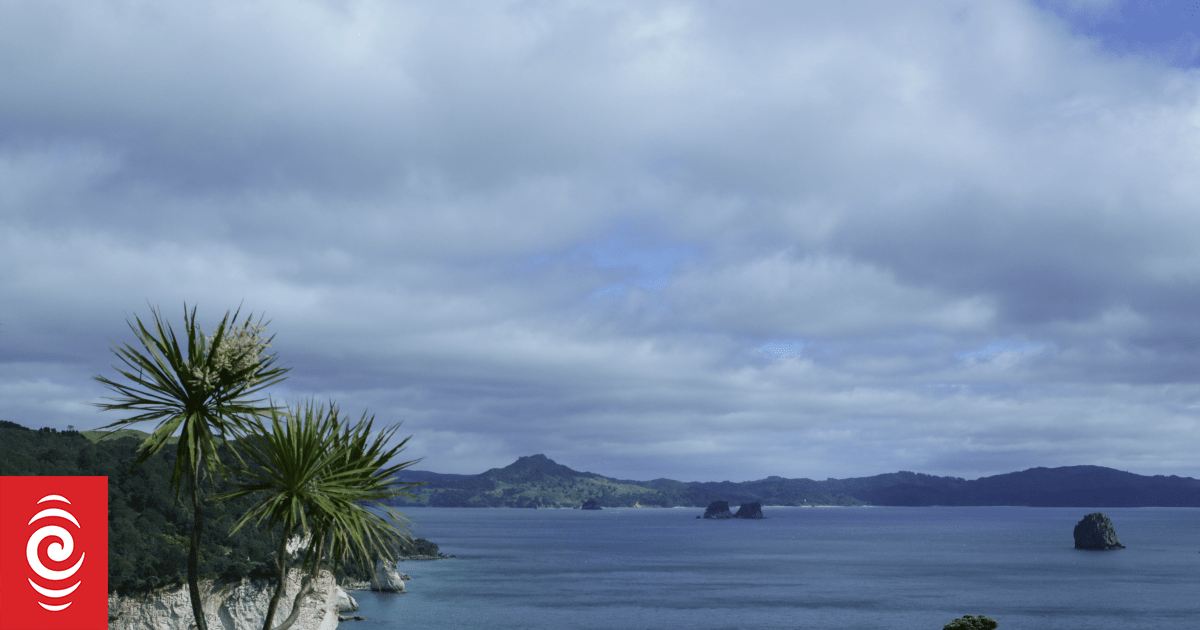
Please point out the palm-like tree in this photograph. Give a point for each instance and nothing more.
(204, 394)
(317, 475)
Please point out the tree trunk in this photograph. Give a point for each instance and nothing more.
(194, 553)
(280, 584)
(306, 587)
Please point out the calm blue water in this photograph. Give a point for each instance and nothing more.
(801, 568)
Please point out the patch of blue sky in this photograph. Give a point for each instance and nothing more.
(649, 283)
(625, 250)
(641, 261)
(783, 347)
(999, 347)
(1164, 29)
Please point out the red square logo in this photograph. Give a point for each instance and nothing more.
(53, 553)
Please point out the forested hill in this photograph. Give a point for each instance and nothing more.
(148, 531)
(537, 481)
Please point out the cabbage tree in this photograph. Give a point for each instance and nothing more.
(202, 389)
(323, 479)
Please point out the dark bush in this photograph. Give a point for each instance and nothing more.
(972, 622)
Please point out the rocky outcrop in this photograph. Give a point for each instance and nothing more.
(1096, 531)
(717, 509)
(241, 606)
(749, 510)
(343, 602)
(387, 578)
(591, 504)
(420, 549)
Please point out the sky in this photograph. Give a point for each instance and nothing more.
(647, 238)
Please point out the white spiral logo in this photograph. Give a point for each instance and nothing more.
(59, 551)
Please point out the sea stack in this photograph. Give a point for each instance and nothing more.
(750, 510)
(591, 504)
(386, 579)
(1095, 531)
(718, 509)
(344, 602)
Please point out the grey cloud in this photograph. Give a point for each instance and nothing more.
(580, 229)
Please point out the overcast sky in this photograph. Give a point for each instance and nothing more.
(694, 240)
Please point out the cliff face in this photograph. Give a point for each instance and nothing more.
(234, 607)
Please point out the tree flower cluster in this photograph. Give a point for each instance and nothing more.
(240, 351)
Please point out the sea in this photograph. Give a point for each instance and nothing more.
(801, 567)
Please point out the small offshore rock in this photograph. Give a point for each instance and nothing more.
(354, 618)
(591, 504)
(386, 578)
(344, 602)
(718, 509)
(1096, 531)
(749, 510)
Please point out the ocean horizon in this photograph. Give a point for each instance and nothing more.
(801, 567)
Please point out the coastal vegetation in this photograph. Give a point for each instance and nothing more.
(310, 476)
(147, 541)
(314, 475)
(203, 394)
(148, 530)
(972, 622)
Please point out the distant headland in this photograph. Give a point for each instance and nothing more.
(535, 481)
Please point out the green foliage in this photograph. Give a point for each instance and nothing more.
(147, 533)
(972, 622)
(204, 393)
(315, 474)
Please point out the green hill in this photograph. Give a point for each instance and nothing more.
(537, 481)
(97, 436)
(148, 530)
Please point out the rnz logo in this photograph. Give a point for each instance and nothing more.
(53, 553)
(61, 550)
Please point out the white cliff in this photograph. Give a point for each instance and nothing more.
(233, 607)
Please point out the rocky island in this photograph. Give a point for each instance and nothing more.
(717, 510)
(750, 510)
(720, 510)
(1096, 532)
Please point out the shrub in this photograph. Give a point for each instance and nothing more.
(972, 622)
